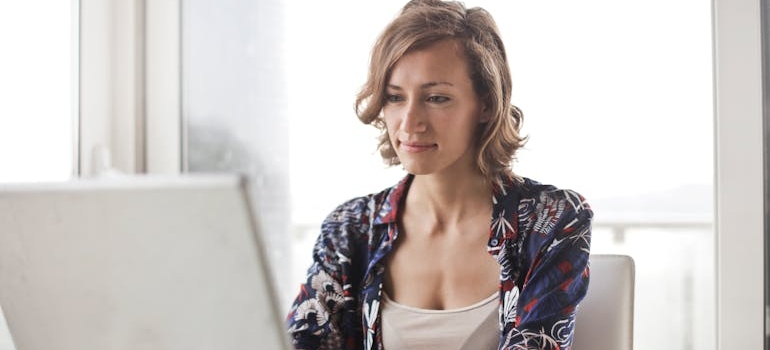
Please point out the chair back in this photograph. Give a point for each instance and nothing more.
(605, 317)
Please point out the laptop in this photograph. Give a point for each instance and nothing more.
(136, 262)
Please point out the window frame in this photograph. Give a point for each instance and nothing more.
(129, 87)
(739, 179)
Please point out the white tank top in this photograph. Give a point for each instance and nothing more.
(473, 327)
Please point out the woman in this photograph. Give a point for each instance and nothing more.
(462, 253)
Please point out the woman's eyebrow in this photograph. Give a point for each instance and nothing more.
(427, 85)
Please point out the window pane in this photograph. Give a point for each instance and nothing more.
(38, 89)
(617, 99)
(621, 110)
(234, 104)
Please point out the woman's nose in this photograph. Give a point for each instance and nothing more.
(413, 119)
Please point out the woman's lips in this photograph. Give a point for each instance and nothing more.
(417, 147)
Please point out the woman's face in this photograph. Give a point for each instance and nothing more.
(432, 112)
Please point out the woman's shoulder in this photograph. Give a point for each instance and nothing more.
(348, 229)
(535, 191)
(538, 199)
(549, 215)
(366, 208)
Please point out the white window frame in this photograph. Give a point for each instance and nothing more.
(129, 92)
(165, 127)
(739, 176)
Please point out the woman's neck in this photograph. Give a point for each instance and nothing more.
(449, 200)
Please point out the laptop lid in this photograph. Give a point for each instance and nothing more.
(137, 262)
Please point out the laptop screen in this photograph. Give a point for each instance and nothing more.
(137, 262)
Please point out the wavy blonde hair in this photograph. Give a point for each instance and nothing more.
(423, 22)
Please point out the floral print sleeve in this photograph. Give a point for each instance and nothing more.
(324, 315)
(555, 229)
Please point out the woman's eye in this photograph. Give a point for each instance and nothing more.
(393, 98)
(438, 99)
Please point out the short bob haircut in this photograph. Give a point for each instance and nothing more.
(423, 22)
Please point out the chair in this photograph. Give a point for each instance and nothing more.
(605, 317)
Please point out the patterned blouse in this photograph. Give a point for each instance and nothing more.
(539, 234)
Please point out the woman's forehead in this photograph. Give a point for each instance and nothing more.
(441, 61)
